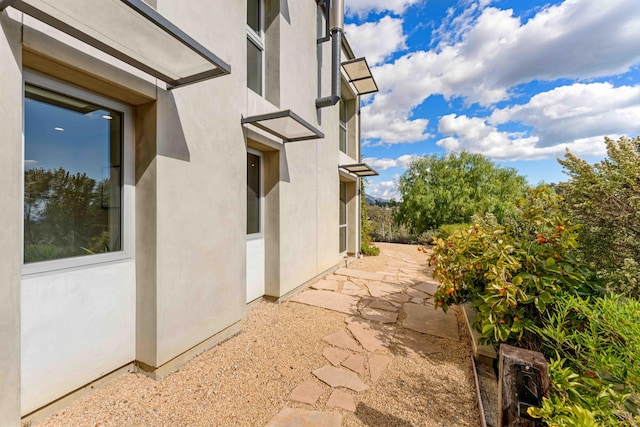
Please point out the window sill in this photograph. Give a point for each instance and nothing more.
(76, 263)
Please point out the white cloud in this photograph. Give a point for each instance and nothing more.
(376, 40)
(475, 135)
(577, 111)
(491, 51)
(363, 7)
(384, 190)
(391, 128)
(386, 163)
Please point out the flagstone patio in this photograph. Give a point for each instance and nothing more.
(392, 311)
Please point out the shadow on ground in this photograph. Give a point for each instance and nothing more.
(374, 418)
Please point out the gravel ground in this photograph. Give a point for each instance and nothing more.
(246, 380)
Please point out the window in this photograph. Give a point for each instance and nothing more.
(73, 175)
(344, 119)
(255, 45)
(343, 217)
(254, 194)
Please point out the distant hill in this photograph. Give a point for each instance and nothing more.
(376, 200)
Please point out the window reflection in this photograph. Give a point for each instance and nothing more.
(72, 177)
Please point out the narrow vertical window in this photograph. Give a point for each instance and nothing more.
(72, 178)
(343, 217)
(255, 45)
(254, 194)
(343, 125)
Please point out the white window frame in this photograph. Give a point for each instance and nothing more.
(346, 218)
(344, 125)
(128, 179)
(257, 38)
(260, 234)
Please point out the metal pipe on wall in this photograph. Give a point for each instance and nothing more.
(336, 17)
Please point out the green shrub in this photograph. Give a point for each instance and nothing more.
(512, 273)
(604, 197)
(595, 376)
(447, 230)
(368, 250)
(428, 237)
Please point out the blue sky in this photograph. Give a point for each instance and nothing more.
(519, 81)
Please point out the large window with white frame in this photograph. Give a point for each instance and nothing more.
(75, 144)
(255, 46)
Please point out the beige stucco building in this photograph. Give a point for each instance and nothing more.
(164, 164)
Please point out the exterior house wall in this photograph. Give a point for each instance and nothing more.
(183, 283)
(10, 218)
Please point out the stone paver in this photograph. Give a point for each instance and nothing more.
(377, 364)
(373, 337)
(289, 417)
(380, 289)
(426, 320)
(414, 293)
(381, 316)
(342, 339)
(419, 344)
(308, 392)
(399, 297)
(327, 299)
(417, 300)
(338, 377)
(427, 287)
(350, 288)
(343, 400)
(383, 305)
(335, 355)
(328, 285)
(355, 362)
(358, 274)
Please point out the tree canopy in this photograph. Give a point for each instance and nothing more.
(451, 189)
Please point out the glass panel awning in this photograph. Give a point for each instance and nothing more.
(359, 169)
(131, 31)
(360, 75)
(285, 124)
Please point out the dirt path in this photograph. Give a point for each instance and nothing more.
(248, 380)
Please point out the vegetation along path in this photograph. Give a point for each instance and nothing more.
(363, 347)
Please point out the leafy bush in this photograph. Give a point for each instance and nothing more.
(595, 376)
(447, 230)
(368, 250)
(511, 272)
(605, 198)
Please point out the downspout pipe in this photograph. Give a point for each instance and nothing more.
(337, 30)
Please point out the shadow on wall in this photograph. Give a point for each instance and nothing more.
(11, 30)
(173, 144)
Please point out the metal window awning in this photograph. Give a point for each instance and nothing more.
(131, 31)
(360, 75)
(359, 169)
(285, 124)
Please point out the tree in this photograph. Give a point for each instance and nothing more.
(450, 189)
(365, 226)
(605, 198)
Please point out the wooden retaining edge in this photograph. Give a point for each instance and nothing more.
(483, 418)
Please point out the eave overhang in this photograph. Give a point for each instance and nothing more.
(131, 31)
(285, 125)
(360, 76)
(359, 169)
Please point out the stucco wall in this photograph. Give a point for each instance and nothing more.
(76, 326)
(10, 219)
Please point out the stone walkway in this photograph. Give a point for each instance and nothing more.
(390, 311)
